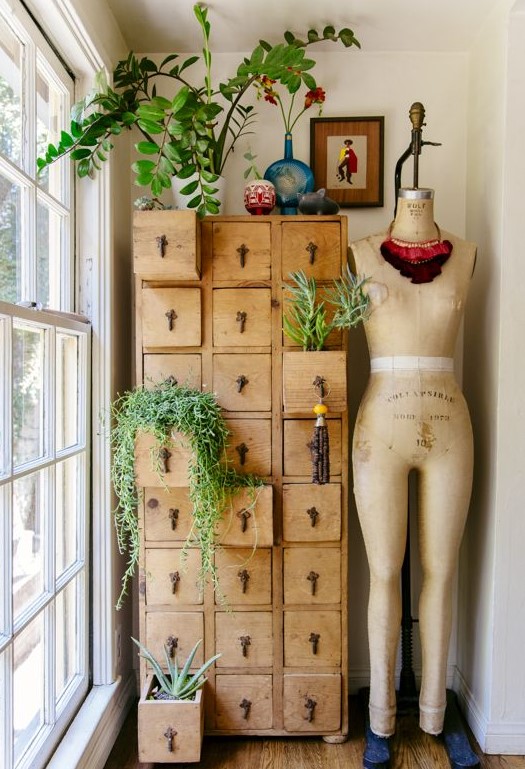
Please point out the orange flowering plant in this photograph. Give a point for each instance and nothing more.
(265, 89)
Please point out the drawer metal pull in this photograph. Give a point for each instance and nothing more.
(173, 514)
(162, 242)
(241, 320)
(170, 733)
(246, 706)
(314, 640)
(242, 251)
(319, 384)
(171, 316)
(164, 455)
(171, 381)
(311, 248)
(244, 577)
(313, 513)
(245, 641)
(153, 503)
(312, 578)
(172, 643)
(175, 579)
(244, 515)
(242, 449)
(241, 381)
(310, 707)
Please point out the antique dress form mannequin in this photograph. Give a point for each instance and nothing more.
(412, 417)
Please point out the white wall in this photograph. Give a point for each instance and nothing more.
(492, 626)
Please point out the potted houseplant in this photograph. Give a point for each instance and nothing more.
(193, 131)
(169, 413)
(314, 373)
(170, 711)
(307, 325)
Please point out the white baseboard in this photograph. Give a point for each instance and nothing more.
(503, 738)
(88, 741)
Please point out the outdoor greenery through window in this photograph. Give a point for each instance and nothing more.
(44, 407)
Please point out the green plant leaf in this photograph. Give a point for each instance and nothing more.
(66, 140)
(188, 63)
(80, 153)
(156, 186)
(190, 188)
(147, 148)
(143, 166)
(150, 127)
(187, 171)
(148, 112)
(180, 99)
(161, 103)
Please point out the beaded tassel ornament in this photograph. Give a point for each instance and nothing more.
(320, 446)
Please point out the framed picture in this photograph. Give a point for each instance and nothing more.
(346, 157)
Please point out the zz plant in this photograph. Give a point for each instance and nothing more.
(197, 416)
(192, 128)
(176, 684)
(307, 322)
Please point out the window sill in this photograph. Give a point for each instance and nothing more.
(88, 741)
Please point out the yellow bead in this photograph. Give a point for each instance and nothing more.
(320, 408)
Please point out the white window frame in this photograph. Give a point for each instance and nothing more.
(91, 735)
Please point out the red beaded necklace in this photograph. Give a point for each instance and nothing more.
(420, 261)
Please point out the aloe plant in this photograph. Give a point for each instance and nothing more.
(176, 684)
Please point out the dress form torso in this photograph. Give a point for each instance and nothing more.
(412, 416)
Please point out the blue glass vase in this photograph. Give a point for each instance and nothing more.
(290, 178)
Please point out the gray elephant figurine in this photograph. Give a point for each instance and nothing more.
(317, 203)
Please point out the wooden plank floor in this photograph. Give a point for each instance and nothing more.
(411, 749)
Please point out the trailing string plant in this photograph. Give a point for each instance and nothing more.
(193, 129)
(161, 411)
(177, 683)
(307, 324)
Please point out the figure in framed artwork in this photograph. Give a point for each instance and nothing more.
(347, 162)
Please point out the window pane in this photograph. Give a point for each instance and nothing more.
(51, 109)
(10, 91)
(48, 255)
(69, 507)
(10, 250)
(28, 689)
(28, 393)
(4, 395)
(67, 637)
(67, 392)
(28, 540)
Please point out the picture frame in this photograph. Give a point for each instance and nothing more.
(347, 159)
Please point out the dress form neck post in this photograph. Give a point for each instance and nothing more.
(414, 220)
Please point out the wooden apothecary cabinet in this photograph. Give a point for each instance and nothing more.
(209, 305)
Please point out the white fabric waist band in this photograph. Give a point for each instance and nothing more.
(411, 363)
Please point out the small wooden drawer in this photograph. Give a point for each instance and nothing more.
(312, 575)
(311, 513)
(249, 445)
(307, 242)
(171, 579)
(312, 703)
(241, 251)
(312, 639)
(243, 382)
(166, 245)
(178, 631)
(297, 455)
(244, 638)
(242, 317)
(170, 469)
(243, 702)
(168, 514)
(249, 519)
(171, 317)
(185, 369)
(302, 371)
(245, 575)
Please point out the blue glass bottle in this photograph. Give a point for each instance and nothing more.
(290, 178)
